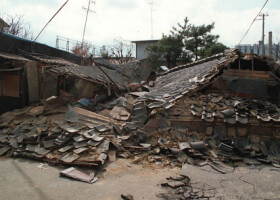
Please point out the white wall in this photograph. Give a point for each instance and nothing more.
(141, 52)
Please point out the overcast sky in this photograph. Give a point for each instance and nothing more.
(130, 19)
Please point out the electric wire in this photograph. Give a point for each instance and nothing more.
(253, 22)
(50, 20)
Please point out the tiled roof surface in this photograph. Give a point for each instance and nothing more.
(51, 60)
(92, 72)
(175, 84)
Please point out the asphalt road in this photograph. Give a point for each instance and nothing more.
(23, 179)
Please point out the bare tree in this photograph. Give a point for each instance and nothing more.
(122, 51)
(81, 50)
(19, 27)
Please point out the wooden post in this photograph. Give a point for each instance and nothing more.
(277, 51)
(239, 64)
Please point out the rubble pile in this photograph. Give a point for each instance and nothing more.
(232, 109)
(177, 146)
(173, 145)
(69, 135)
(72, 136)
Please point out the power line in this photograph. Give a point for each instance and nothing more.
(51, 20)
(253, 22)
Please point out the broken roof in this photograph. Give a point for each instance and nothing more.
(12, 57)
(50, 60)
(184, 79)
(120, 74)
(92, 73)
(46, 59)
(133, 71)
(174, 84)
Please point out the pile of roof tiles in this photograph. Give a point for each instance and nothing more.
(69, 135)
(173, 146)
(233, 109)
(77, 137)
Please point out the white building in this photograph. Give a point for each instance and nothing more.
(141, 52)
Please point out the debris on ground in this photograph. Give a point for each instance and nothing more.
(79, 175)
(127, 197)
(180, 187)
(70, 135)
(198, 113)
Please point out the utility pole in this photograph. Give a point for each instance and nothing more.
(87, 10)
(152, 27)
(270, 44)
(57, 42)
(263, 26)
(67, 45)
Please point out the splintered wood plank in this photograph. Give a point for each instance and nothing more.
(90, 114)
(97, 117)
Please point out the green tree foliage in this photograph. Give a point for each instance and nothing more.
(170, 47)
(214, 49)
(197, 39)
(154, 56)
(187, 42)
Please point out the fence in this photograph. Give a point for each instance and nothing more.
(68, 44)
(257, 49)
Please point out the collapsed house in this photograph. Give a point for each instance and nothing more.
(99, 81)
(232, 99)
(15, 73)
(40, 77)
(201, 113)
(244, 82)
(25, 79)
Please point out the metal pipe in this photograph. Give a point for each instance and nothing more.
(263, 35)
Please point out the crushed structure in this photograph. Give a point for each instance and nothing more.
(222, 109)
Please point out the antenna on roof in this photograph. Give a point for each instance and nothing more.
(87, 10)
(152, 28)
